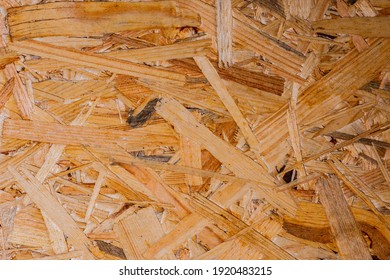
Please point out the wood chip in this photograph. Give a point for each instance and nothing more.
(365, 27)
(63, 19)
(342, 222)
(224, 33)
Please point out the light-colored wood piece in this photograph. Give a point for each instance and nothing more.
(101, 62)
(321, 96)
(6, 91)
(342, 222)
(45, 201)
(65, 256)
(96, 189)
(65, 18)
(249, 36)
(138, 231)
(224, 33)
(191, 156)
(188, 226)
(236, 248)
(299, 181)
(178, 168)
(363, 186)
(173, 51)
(233, 226)
(19, 158)
(382, 167)
(146, 180)
(292, 124)
(216, 82)
(336, 166)
(365, 27)
(194, 223)
(23, 98)
(56, 235)
(74, 135)
(357, 40)
(373, 130)
(241, 165)
(160, 189)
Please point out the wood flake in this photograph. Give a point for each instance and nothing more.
(342, 223)
(63, 19)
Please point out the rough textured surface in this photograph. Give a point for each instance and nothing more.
(194, 129)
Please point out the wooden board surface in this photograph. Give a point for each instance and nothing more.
(195, 129)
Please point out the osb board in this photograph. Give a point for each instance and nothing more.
(195, 129)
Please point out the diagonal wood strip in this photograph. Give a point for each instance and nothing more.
(374, 130)
(191, 156)
(194, 222)
(299, 181)
(142, 179)
(46, 202)
(321, 96)
(220, 88)
(24, 99)
(179, 169)
(137, 238)
(6, 91)
(19, 158)
(344, 12)
(365, 141)
(337, 167)
(95, 193)
(382, 167)
(232, 158)
(213, 212)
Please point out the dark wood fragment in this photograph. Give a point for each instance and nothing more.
(143, 116)
(315, 234)
(111, 249)
(159, 158)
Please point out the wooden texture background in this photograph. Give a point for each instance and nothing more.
(195, 129)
